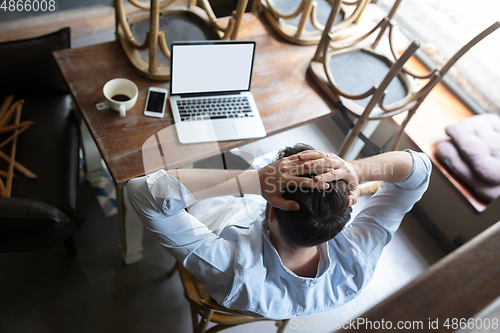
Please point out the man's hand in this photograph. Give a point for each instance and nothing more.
(330, 167)
(275, 177)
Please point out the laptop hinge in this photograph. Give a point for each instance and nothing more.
(218, 93)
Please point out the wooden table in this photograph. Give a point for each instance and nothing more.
(285, 96)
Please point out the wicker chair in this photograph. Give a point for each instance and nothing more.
(158, 24)
(339, 69)
(204, 309)
(303, 26)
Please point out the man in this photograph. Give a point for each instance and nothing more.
(296, 257)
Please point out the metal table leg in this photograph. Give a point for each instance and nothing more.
(91, 155)
(129, 223)
(131, 229)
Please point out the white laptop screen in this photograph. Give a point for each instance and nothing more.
(206, 68)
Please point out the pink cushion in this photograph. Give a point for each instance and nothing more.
(478, 140)
(448, 154)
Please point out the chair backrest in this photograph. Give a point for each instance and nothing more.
(308, 10)
(377, 92)
(206, 307)
(377, 98)
(28, 67)
(330, 27)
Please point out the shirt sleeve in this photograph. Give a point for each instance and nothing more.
(372, 229)
(160, 201)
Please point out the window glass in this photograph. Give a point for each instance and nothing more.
(443, 27)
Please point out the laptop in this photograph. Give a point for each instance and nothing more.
(210, 91)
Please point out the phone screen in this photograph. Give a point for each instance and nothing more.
(155, 102)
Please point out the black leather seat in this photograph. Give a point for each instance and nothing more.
(41, 212)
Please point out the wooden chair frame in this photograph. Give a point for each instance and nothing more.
(307, 9)
(205, 310)
(376, 108)
(155, 39)
(12, 111)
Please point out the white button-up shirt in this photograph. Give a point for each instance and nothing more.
(221, 241)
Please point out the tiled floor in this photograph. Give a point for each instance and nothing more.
(104, 189)
(50, 291)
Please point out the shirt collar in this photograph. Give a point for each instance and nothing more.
(277, 264)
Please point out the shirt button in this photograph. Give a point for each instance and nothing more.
(311, 284)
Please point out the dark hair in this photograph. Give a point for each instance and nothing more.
(322, 214)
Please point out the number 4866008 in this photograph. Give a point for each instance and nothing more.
(28, 5)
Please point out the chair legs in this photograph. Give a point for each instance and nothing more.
(351, 137)
(199, 325)
(201, 318)
(282, 325)
(172, 270)
(204, 310)
(202, 326)
(399, 135)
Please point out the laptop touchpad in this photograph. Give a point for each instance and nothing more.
(225, 130)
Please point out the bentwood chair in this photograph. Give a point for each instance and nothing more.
(146, 34)
(362, 80)
(204, 309)
(302, 21)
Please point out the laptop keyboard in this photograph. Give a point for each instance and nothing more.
(214, 108)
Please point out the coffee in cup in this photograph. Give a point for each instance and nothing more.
(120, 98)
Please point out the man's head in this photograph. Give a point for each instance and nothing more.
(322, 214)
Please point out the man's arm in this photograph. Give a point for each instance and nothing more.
(189, 241)
(373, 227)
(208, 183)
(269, 181)
(391, 167)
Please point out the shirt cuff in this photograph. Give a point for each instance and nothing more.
(420, 172)
(173, 196)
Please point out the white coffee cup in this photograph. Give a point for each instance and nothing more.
(121, 94)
